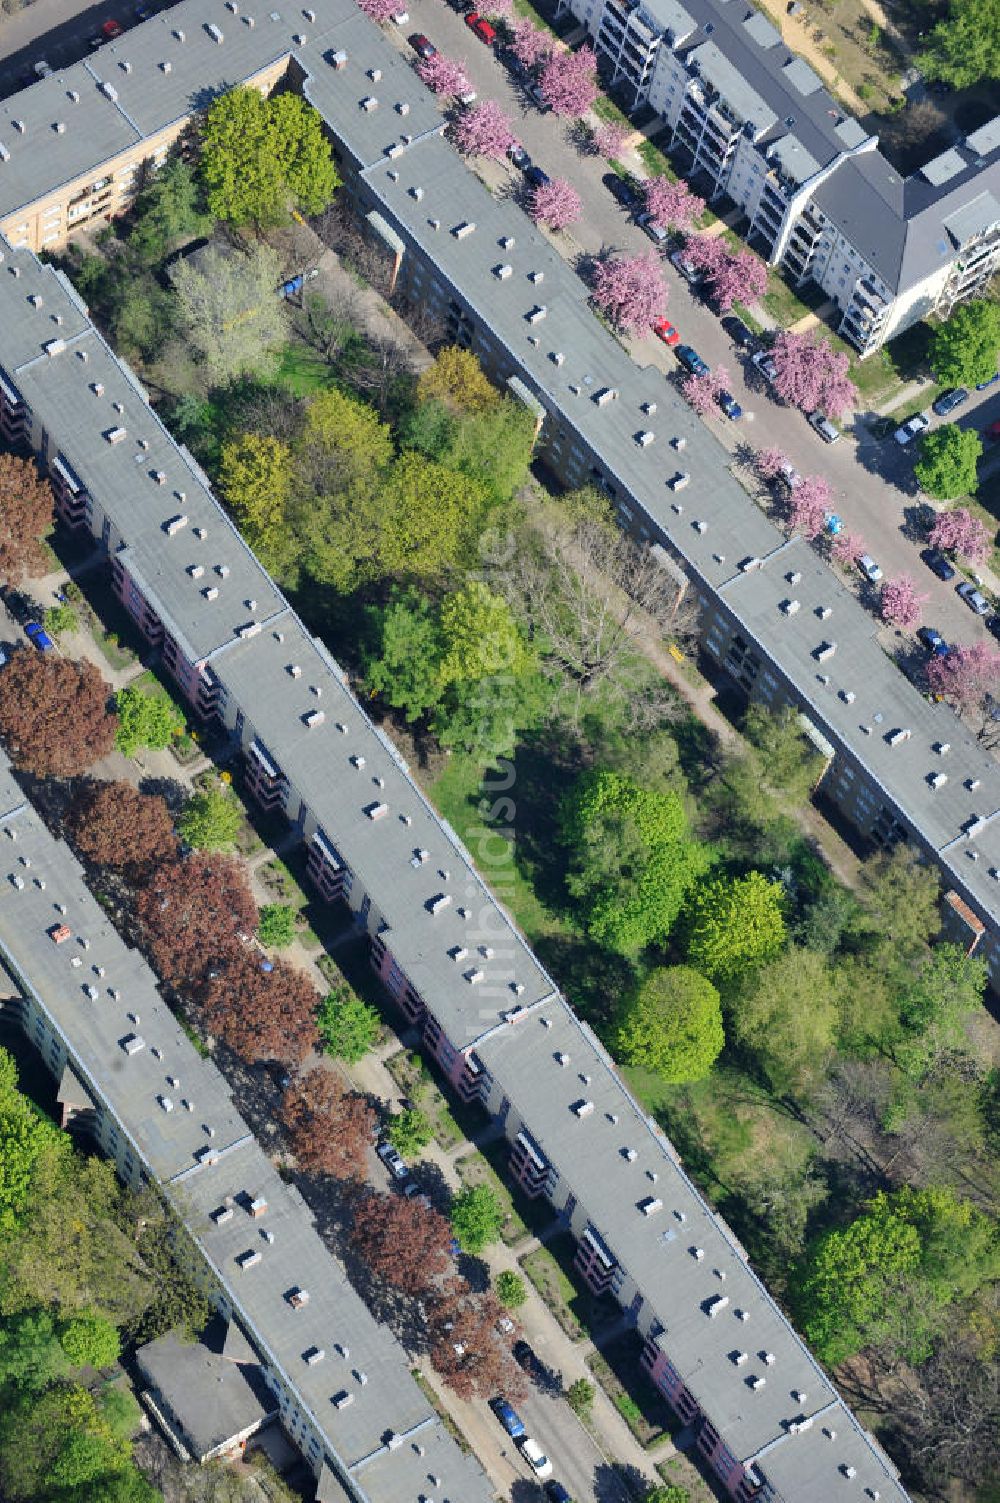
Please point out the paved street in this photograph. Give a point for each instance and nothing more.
(872, 479)
(56, 31)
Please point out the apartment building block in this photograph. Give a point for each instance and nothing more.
(754, 122)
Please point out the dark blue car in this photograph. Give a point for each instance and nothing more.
(536, 177)
(691, 360)
(38, 636)
(508, 1417)
(730, 406)
(938, 564)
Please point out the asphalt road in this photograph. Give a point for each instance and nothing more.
(576, 1461)
(56, 31)
(873, 484)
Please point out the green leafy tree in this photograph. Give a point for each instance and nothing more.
(146, 717)
(631, 859)
(735, 924)
(71, 1444)
(671, 1492)
(964, 49)
(409, 1132)
(479, 636)
(348, 1026)
(580, 1396)
(965, 348)
(59, 619)
(511, 1289)
(787, 1014)
(486, 717)
(171, 209)
(22, 1135)
(406, 670)
(945, 992)
(493, 447)
(788, 762)
(210, 820)
(90, 1340)
(255, 476)
(889, 1277)
(477, 1218)
(431, 516)
(456, 380)
(31, 1355)
(276, 925)
(899, 903)
(230, 312)
(673, 1025)
(262, 157)
(948, 462)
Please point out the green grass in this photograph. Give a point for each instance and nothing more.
(655, 161)
(742, 311)
(525, 8)
(472, 1169)
(555, 1288)
(783, 304)
(640, 1405)
(606, 109)
(414, 1079)
(303, 371)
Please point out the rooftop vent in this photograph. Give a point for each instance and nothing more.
(460, 231)
(221, 1215)
(824, 650)
(748, 564)
(337, 60)
(342, 1399)
(312, 718)
(506, 242)
(375, 74)
(474, 976)
(582, 1108)
(298, 1298)
(790, 607)
(211, 592)
(756, 1381)
(536, 314)
(503, 271)
(644, 438)
(937, 779)
(650, 1205)
(54, 346)
(402, 108)
(630, 1155)
(375, 811)
(222, 570)
(436, 904)
(313, 1355)
(679, 481)
(898, 736)
(824, 612)
(369, 103)
(715, 1305)
(60, 127)
(942, 748)
(174, 524)
(113, 435)
(605, 395)
(132, 1043)
(166, 67)
(248, 1259)
(110, 91)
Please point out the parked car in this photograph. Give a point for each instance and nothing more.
(96, 41)
(508, 1417)
(730, 406)
(42, 69)
(919, 423)
(991, 381)
(932, 639)
(38, 636)
(525, 1356)
(535, 1457)
(538, 99)
(392, 1161)
(687, 270)
(691, 360)
(626, 190)
(482, 28)
(143, 12)
(949, 400)
(869, 568)
(536, 177)
(422, 46)
(765, 364)
(974, 599)
(467, 97)
(822, 425)
(519, 156)
(655, 231)
(556, 1493)
(743, 337)
(790, 475)
(664, 329)
(992, 433)
(938, 564)
(112, 29)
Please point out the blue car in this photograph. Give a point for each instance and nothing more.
(508, 1417)
(691, 360)
(536, 177)
(730, 406)
(38, 636)
(982, 385)
(938, 564)
(932, 639)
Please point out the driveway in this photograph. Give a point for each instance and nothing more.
(872, 480)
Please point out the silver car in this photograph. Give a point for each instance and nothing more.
(919, 423)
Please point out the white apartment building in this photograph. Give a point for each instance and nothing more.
(756, 124)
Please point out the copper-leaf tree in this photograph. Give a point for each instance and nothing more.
(328, 1127)
(197, 916)
(401, 1241)
(114, 825)
(55, 716)
(25, 514)
(263, 1009)
(467, 1349)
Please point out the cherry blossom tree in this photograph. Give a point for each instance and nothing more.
(959, 531)
(900, 604)
(381, 10)
(706, 253)
(672, 204)
(529, 45)
(808, 505)
(730, 275)
(444, 75)
(483, 131)
(569, 81)
(555, 203)
(812, 376)
(496, 10)
(847, 547)
(630, 291)
(609, 139)
(969, 679)
(703, 391)
(769, 463)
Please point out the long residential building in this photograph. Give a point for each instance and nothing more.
(776, 619)
(756, 123)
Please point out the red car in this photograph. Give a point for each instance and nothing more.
(112, 29)
(484, 31)
(992, 432)
(664, 329)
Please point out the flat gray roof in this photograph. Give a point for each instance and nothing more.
(208, 1161)
(212, 1397)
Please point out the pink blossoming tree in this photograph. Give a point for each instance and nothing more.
(769, 463)
(808, 505)
(968, 678)
(731, 275)
(702, 391)
(900, 603)
(569, 81)
(556, 204)
(959, 531)
(444, 75)
(812, 376)
(847, 547)
(381, 10)
(630, 291)
(529, 45)
(672, 205)
(496, 10)
(483, 131)
(609, 139)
